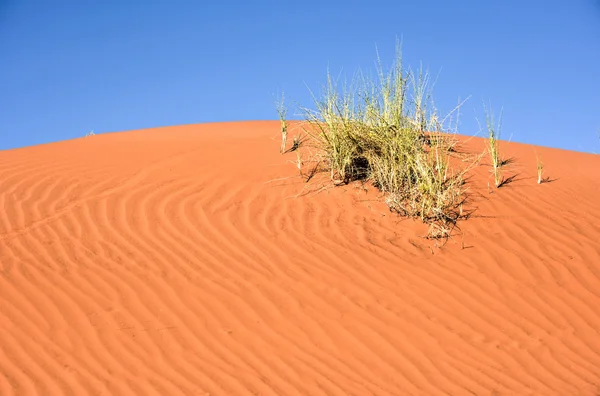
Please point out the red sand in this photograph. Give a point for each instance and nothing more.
(171, 262)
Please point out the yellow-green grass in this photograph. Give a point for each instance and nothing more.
(386, 131)
(492, 147)
(282, 111)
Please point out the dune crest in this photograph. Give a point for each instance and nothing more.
(187, 261)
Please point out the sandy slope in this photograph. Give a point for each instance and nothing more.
(171, 262)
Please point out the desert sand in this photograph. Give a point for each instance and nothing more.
(192, 260)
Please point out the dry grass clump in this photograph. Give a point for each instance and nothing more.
(282, 111)
(492, 147)
(540, 171)
(386, 131)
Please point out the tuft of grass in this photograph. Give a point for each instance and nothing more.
(282, 111)
(386, 130)
(492, 146)
(540, 171)
(299, 162)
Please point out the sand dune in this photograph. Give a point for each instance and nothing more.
(185, 261)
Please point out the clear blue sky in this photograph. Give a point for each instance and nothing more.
(67, 67)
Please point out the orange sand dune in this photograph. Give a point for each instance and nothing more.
(184, 261)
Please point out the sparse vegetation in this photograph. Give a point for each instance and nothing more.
(492, 147)
(282, 111)
(387, 132)
(540, 170)
(299, 161)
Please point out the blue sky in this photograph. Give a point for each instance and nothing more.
(68, 67)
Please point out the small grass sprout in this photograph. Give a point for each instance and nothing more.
(282, 111)
(492, 147)
(540, 171)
